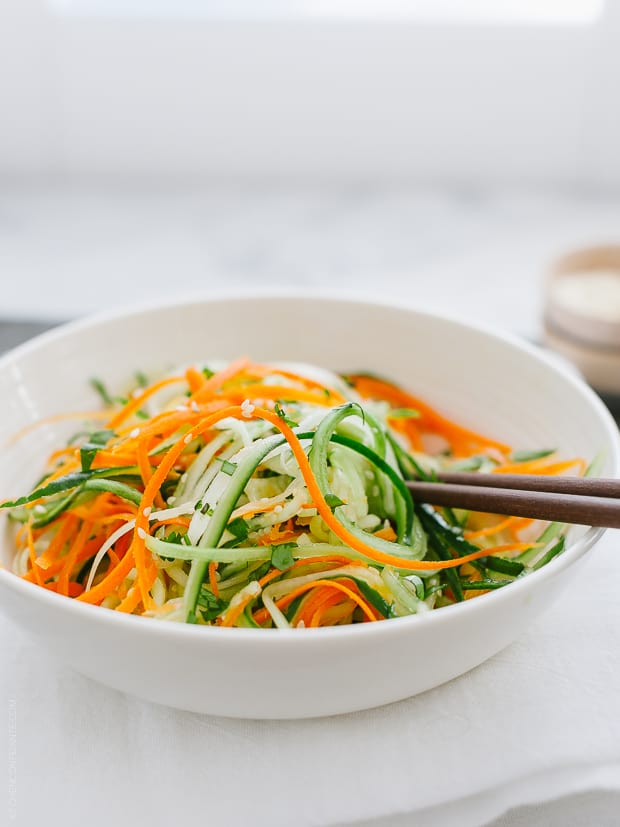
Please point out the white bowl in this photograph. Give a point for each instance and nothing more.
(490, 382)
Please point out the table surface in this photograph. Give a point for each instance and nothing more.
(65, 252)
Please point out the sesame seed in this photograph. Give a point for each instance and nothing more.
(135, 433)
(147, 511)
(194, 405)
(171, 500)
(188, 438)
(141, 534)
(278, 509)
(39, 509)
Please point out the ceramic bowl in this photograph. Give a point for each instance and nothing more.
(488, 381)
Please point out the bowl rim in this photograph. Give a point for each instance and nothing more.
(363, 631)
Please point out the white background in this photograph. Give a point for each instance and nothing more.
(464, 94)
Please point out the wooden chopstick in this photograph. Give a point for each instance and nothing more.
(589, 486)
(598, 505)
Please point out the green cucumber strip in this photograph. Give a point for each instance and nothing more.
(318, 463)
(374, 598)
(57, 506)
(503, 566)
(55, 509)
(404, 494)
(441, 547)
(113, 487)
(528, 456)
(221, 514)
(477, 585)
(554, 529)
(68, 482)
(206, 555)
(553, 552)
(246, 621)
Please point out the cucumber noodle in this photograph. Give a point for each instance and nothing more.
(270, 496)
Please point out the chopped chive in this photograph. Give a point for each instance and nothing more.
(101, 389)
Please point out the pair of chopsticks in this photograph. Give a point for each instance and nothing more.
(581, 500)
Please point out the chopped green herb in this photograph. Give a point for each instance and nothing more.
(89, 450)
(208, 373)
(238, 528)
(227, 466)
(282, 414)
(282, 556)
(209, 605)
(333, 501)
(101, 389)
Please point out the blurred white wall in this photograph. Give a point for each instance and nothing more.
(284, 98)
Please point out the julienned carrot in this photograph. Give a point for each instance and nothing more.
(334, 615)
(195, 379)
(72, 555)
(68, 526)
(218, 379)
(165, 446)
(333, 560)
(137, 550)
(317, 599)
(456, 434)
(543, 467)
(345, 535)
(493, 529)
(136, 402)
(334, 584)
(33, 557)
(262, 371)
(82, 416)
(131, 601)
(288, 393)
(213, 578)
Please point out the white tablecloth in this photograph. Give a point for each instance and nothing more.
(539, 721)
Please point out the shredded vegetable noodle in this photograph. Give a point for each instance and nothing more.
(271, 496)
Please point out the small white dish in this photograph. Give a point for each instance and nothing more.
(582, 314)
(491, 382)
